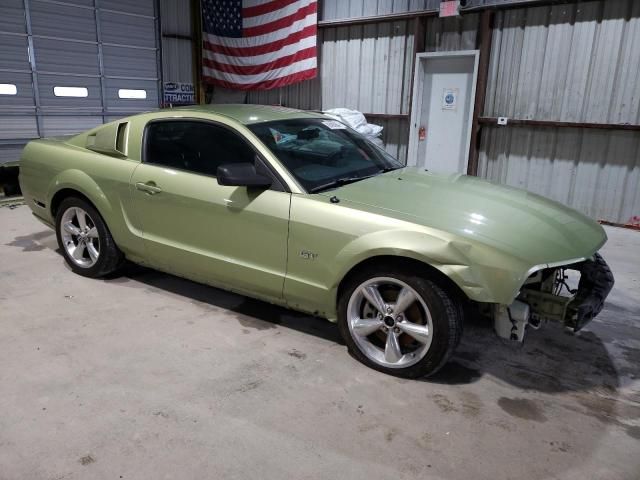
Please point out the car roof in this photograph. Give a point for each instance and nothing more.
(249, 114)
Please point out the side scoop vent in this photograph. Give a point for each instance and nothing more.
(109, 140)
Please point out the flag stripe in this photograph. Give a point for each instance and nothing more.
(292, 39)
(240, 60)
(281, 23)
(268, 7)
(296, 67)
(286, 11)
(266, 85)
(308, 21)
(255, 69)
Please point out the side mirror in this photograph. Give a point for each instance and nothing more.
(241, 175)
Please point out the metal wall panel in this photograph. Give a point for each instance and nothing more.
(394, 135)
(594, 171)
(23, 100)
(177, 60)
(344, 9)
(12, 16)
(62, 20)
(130, 30)
(117, 104)
(13, 53)
(82, 3)
(128, 6)
(453, 33)
(177, 41)
(66, 57)
(341, 9)
(305, 95)
(129, 62)
(9, 153)
(367, 67)
(176, 17)
(114, 118)
(67, 125)
(569, 62)
(46, 84)
(14, 127)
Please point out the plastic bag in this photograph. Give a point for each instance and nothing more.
(355, 120)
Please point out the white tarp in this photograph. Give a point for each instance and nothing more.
(356, 120)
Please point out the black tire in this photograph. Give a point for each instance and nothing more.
(446, 315)
(110, 258)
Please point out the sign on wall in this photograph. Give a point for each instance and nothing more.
(449, 8)
(450, 98)
(179, 93)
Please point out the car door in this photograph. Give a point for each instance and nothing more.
(235, 237)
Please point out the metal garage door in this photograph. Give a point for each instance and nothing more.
(66, 66)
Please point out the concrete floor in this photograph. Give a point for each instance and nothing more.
(148, 376)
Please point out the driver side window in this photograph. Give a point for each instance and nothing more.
(194, 146)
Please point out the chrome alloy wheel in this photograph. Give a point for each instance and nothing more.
(389, 322)
(80, 237)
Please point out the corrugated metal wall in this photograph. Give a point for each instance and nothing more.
(577, 63)
(347, 9)
(342, 9)
(177, 41)
(453, 33)
(368, 67)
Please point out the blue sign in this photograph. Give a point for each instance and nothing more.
(178, 93)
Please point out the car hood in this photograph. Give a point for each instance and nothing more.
(527, 226)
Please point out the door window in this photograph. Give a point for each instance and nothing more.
(193, 146)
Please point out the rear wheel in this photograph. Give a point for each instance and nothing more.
(85, 240)
(398, 322)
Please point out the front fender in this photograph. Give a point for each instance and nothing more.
(481, 272)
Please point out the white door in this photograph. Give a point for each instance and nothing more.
(442, 110)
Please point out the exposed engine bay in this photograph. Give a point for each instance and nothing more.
(548, 295)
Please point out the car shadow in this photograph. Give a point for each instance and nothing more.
(550, 360)
(249, 312)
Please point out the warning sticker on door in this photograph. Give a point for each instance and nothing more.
(450, 99)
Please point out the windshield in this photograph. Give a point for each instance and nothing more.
(323, 154)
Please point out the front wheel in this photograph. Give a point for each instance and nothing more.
(399, 323)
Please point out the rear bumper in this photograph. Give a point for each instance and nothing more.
(596, 281)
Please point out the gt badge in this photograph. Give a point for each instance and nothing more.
(307, 255)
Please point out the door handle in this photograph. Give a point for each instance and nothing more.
(148, 187)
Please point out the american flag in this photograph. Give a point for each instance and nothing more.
(259, 44)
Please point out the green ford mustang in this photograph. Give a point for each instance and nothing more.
(296, 209)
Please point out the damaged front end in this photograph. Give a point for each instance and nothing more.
(546, 295)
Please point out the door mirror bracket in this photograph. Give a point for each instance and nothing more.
(241, 175)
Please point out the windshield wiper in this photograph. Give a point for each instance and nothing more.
(338, 182)
(389, 169)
